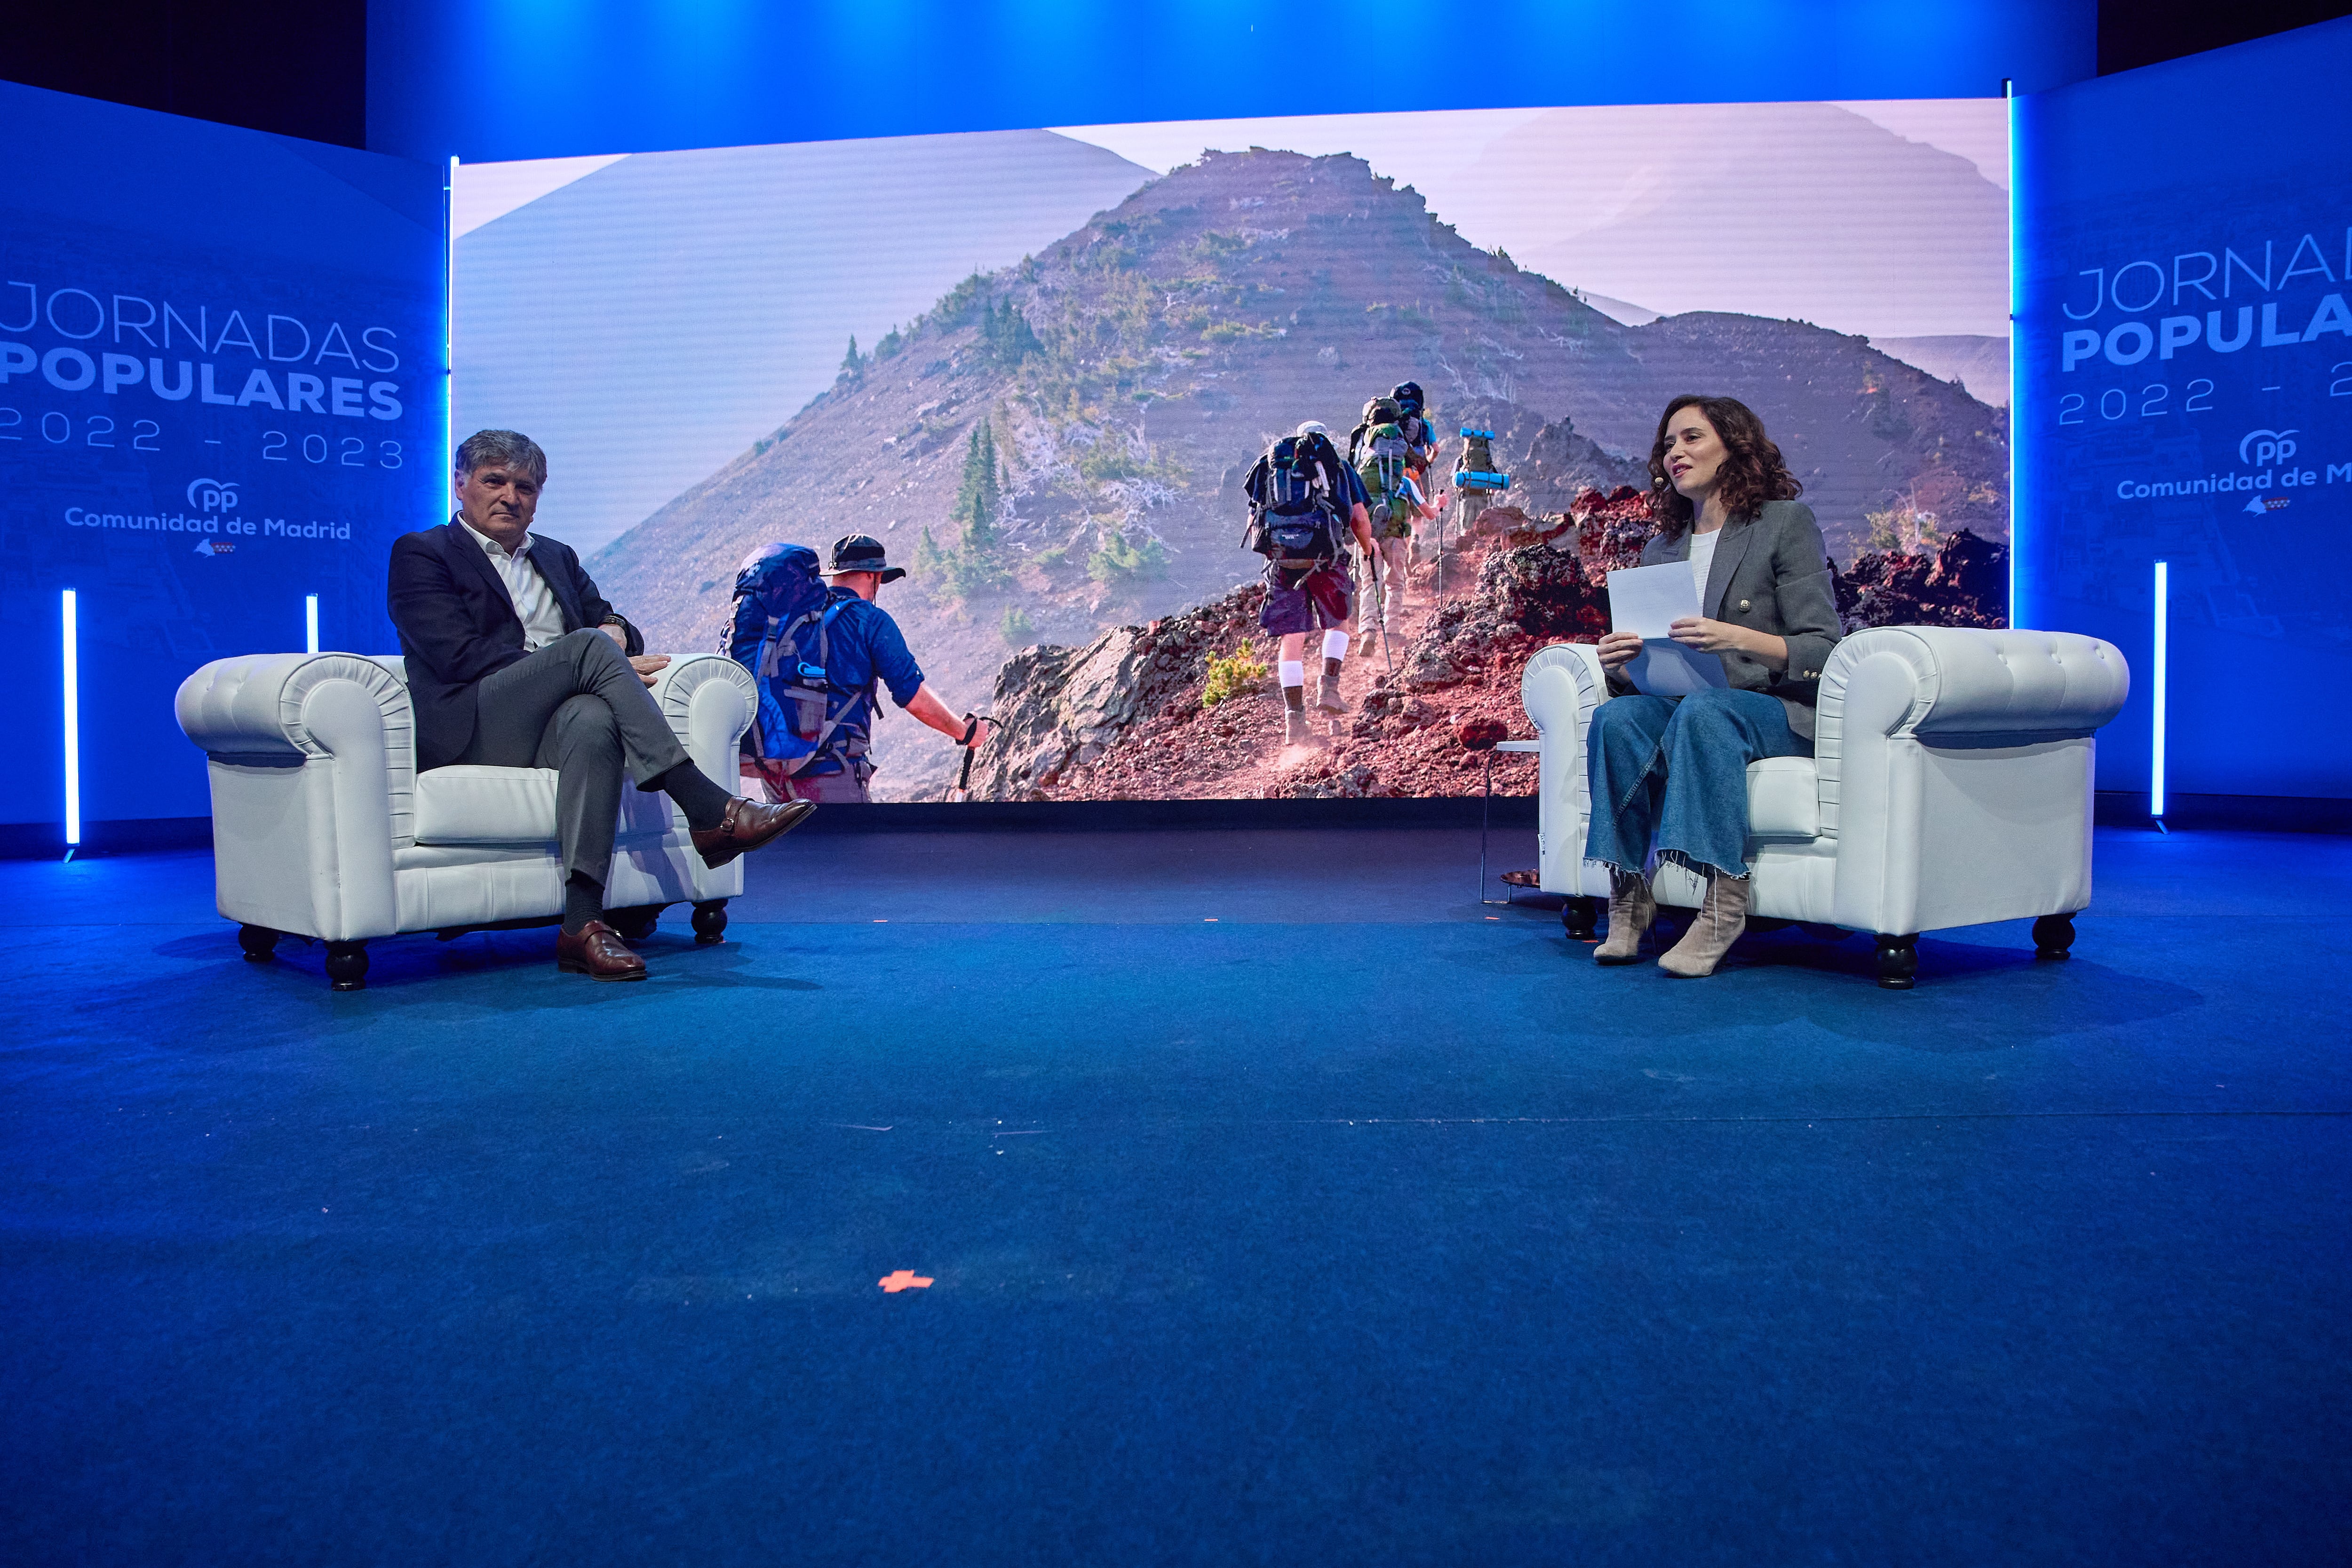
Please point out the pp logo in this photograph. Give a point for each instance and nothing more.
(219, 495)
(2266, 447)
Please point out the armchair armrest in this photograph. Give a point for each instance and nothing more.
(708, 700)
(1960, 686)
(1956, 768)
(1935, 682)
(1560, 687)
(257, 707)
(312, 774)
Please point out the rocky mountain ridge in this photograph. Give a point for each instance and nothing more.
(1137, 713)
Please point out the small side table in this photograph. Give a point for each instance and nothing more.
(1486, 810)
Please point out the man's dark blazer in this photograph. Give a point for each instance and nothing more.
(457, 624)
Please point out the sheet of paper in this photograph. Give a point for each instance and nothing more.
(1646, 600)
(1665, 668)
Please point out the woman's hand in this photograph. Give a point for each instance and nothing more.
(1617, 650)
(1721, 637)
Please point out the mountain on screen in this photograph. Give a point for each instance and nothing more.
(647, 321)
(1128, 374)
(1785, 209)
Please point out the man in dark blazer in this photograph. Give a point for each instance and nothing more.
(516, 660)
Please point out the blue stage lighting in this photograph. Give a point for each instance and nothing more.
(73, 721)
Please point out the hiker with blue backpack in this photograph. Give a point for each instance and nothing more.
(819, 646)
(1304, 503)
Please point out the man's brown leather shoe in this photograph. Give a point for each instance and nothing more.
(597, 951)
(747, 826)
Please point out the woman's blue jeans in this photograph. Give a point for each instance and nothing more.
(1676, 768)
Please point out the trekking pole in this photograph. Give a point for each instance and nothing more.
(1380, 587)
(963, 778)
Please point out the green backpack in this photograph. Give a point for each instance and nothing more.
(1384, 462)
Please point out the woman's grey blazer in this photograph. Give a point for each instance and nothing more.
(1771, 574)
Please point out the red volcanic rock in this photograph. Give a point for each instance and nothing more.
(1964, 583)
(1611, 530)
(1481, 733)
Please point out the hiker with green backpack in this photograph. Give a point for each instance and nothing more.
(1392, 464)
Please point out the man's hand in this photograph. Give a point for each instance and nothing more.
(1617, 650)
(618, 634)
(981, 731)
(648, 664)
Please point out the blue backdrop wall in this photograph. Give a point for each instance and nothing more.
(221, 390)
(2184, 385)
(487, 79)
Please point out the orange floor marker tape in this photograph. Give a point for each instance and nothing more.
(903, 1279)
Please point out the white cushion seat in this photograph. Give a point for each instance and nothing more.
(467, 803)
(1784, 800)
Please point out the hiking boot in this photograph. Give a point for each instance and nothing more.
(1328, 698)
(1295, 732)
(1713, 929)
(1630, 910)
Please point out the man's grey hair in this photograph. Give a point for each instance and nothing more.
(501, 449)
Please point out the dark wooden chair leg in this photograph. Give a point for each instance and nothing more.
(1581, 916)
(635, 924)
(1898, 960)
(710, 923)
(2053, 936)
(347, 966)
(260, 943)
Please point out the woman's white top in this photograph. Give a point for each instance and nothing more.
(1702, 556)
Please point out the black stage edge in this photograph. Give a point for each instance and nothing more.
(1134, 816)
(2114, 808)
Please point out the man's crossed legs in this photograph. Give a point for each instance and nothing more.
(579, 707)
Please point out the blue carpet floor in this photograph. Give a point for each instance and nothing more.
(1282, 1204)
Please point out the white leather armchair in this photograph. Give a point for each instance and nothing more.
(324, 828)
(1950, 784)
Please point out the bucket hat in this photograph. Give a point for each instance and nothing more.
(862, 553)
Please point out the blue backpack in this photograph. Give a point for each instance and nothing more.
(1294, 503)
(782, 632)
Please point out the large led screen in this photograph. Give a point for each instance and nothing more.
(1038, 365)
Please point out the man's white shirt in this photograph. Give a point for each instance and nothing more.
(534, 601)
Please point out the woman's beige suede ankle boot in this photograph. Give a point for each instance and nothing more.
(1713, 929)
(1630, 910)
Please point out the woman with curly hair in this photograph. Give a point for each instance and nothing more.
(1675, 769)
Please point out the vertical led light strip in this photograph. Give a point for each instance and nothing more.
(311, 623)
(2155, 729)
(448, 329)
(2016, 430)
(73, 722)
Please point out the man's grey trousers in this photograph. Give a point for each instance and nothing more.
(575, 706)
